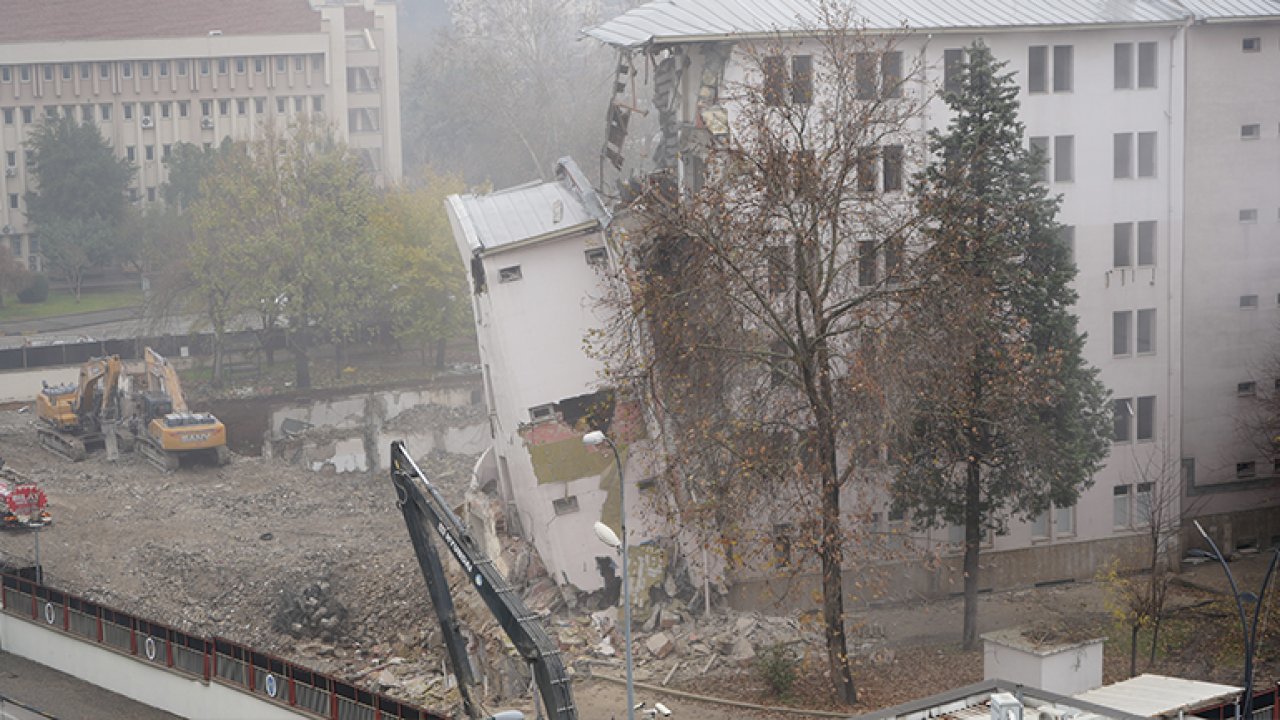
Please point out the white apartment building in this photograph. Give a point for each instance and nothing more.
(1159, 119)
(153, 75)
(537, 255)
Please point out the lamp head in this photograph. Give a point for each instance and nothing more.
(1197, 552)
(607, 535)
(595, 437)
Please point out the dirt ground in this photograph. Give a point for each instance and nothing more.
(221, 550)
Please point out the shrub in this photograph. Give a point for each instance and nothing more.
(36, 291)
(777, 667)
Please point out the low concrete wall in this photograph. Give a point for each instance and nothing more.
(23, 385)
(914, 580)
(145, 683)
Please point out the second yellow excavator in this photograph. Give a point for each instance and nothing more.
(165, 431)
(72, 417)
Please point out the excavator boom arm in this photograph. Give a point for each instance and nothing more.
(426, 513)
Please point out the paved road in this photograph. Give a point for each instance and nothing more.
(62, 696)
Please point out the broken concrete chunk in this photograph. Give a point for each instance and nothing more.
(661, 645)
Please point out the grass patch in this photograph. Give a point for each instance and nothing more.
(63, 302)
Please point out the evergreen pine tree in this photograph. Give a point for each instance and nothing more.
(1005, 416)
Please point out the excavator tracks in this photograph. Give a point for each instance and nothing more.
(165, 461)
(66, 446)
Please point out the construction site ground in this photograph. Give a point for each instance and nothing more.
(235, 550)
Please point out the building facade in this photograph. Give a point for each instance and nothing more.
(151, 77)
(1155, 118)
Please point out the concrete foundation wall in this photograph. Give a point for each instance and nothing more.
(23, 385)
(145, 683)
(1259, 529)
(913, 580)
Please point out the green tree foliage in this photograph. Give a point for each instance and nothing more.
(1010, 418)
(428, 301)
(188, 166)
(79, 201)
(282, 229)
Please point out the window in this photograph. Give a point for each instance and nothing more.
(1250, 132)
(1063, 158)
(181, 66)
(104, 70)
(1124, 66)
(1252, 44)
(1038, 69)
(241, 66)
(1147, 418)
(1063, 68)
(66, 72)
(1249, 215)
(224, 107)
(24, 73)
(510, 274)
(888, 74)
(565, 505)
(259, 105)
(184, 108)
(166, 109)
(1122, 244)
(1123, 147)
(131, 153)
(1147, 243)
(1040, 526)
(8, 116)
(1248, 302)
(1146, 341)
(51, 112)
(162, 68)
(127, 108)
(867, 170)
(801, 79)
(1067, 237)
(317, 103)
(317, 62)
(6, 73)
(282, 64)
(1247, 388)
(149, 152)
(1064, 520)
(126, 70)
(1121, 329)
(952, 64)
(297, 103)
(11, 158)
(1146, 65)
(165, 151)
(28, 115)
(242, 106)
(597, 257)
(280, 104)
(13, 201)
(1146, 154)
(145, 69)
(1122, 430)
(86, 71)
(542, 412)
(206, 108)
(1040, 146)
(299, 63)
(1120, 504)
(1246, 470)
(151, 194)
(223, 66)
(105, 111)
(148, 110)
(866, 262)
(48, 73)
(891, 74)
(1142, 511)
(258, 65)
(892, 155)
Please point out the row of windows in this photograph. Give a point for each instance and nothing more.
(876, 75)
(1125, 411)
(1130, 158)
(87, 113)
(161, 68)
(1052, 68)
(1131, 505)
(1064, 523)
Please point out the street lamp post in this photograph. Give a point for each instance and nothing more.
(1250, 630)
(606, 535)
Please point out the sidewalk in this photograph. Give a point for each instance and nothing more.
(65, 323)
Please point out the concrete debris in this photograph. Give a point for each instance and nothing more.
(661, 645)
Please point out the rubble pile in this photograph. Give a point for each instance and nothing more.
(313, 612)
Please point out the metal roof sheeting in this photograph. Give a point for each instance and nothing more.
(526, 212)
(672, 21)
(1159, 695)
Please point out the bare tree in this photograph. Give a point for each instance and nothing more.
(752, 300)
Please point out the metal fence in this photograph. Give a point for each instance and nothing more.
(75, 353)
(209, 659)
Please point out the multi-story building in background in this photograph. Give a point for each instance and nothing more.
(151, 76)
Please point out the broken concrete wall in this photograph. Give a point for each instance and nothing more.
(353, 433)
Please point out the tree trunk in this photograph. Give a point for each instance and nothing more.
(972, 544)
(1133, 650)
(301, 361)
(442, 345)
(1155, 636)
(218, 358)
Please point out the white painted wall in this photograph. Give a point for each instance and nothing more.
(1226, 258)
(145, 683)
(24, 385)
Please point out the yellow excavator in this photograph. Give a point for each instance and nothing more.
(165, 431)
(71, 417)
